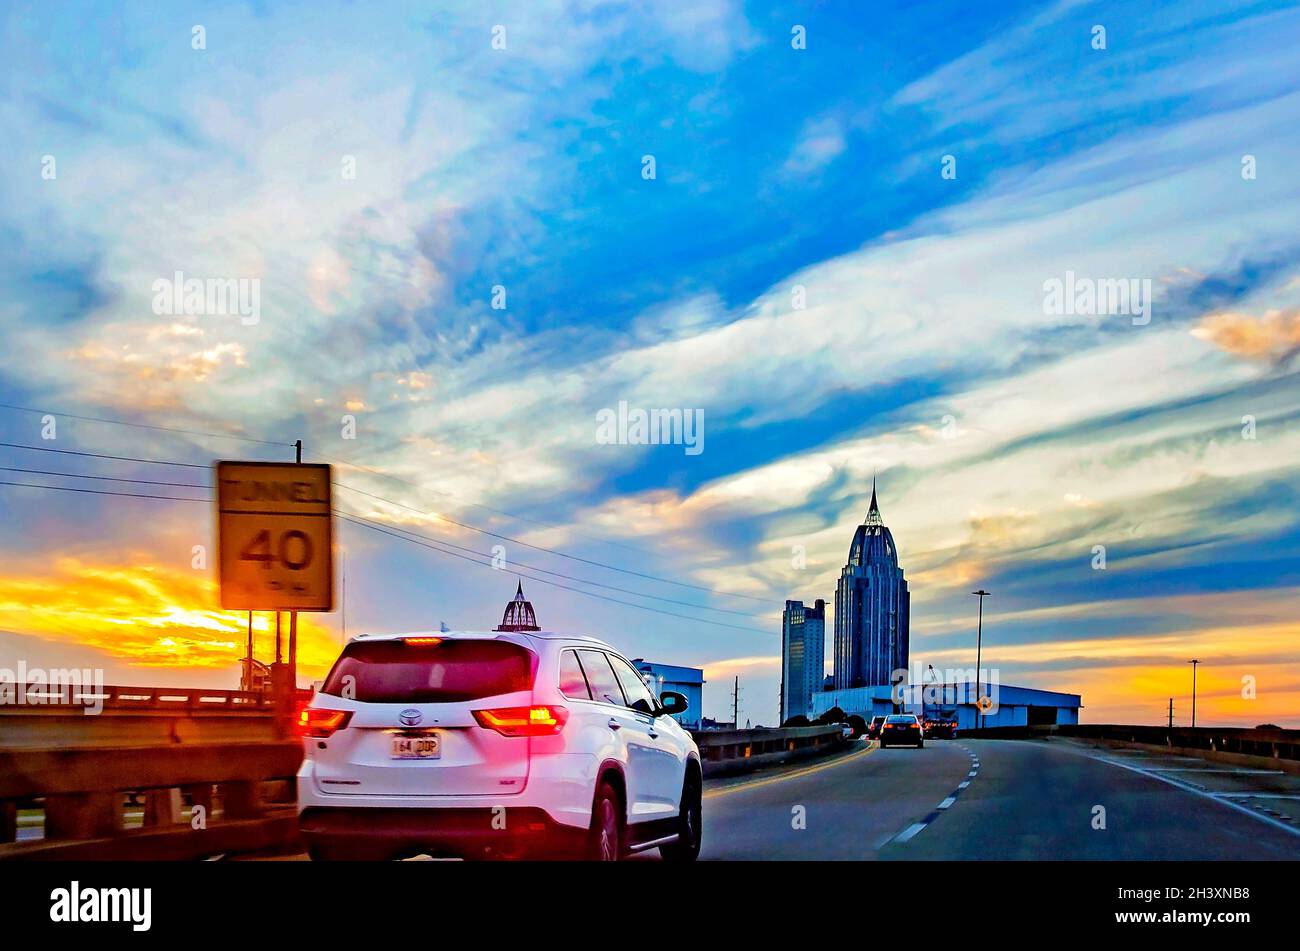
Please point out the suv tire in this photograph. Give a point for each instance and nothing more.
(605, 838)
(689, 829)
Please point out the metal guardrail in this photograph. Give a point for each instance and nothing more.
(38, 696)
(737, 750)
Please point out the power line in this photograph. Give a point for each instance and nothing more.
(424, 544)
(123, 422)
(382, 474)
(100, 455)
(488, 508)
(99, 478)
(554, 584)
(267, 442)
(129, 495)
(558, 574)
(552, 551)
(465, 525)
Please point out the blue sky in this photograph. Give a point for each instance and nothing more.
(1008, 442)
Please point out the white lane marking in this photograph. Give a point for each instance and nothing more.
(1196, 791)
(971, 773)
(909, 832)
(947, 802)
(1259, 795)
(963, 785)
(1230, 770)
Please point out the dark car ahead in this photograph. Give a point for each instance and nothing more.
(902, 729)
(941, 729)
(873, 729)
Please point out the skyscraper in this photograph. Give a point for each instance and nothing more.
(871, 608)
(803, 650)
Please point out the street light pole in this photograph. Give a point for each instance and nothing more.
(979, 642)
(1193, 663)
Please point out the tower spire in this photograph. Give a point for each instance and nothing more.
(873, 512)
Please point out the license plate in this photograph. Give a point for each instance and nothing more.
(423, 746)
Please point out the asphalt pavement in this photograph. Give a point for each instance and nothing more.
(1005, 799)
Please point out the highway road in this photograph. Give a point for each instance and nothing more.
(1005, 799)
(1001, 799)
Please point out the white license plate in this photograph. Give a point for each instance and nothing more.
(423, 746)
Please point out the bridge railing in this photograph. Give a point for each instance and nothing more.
(723, 751)
(1267, 744)
(1278, 749)
(149, 773)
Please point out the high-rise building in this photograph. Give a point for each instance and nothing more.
(872, 605)
(803, 650)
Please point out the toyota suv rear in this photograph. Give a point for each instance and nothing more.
(494, 745)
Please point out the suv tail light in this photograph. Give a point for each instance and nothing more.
(322, 723)
(523, 721)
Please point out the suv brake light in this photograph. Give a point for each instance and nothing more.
(523, 721)
(322, 723)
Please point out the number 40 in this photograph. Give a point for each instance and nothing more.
(259, 549)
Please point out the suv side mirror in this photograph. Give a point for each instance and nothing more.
(671, 703)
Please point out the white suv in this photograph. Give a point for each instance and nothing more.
(494, 745)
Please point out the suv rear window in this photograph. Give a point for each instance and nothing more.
(449, 671)
(902, 718)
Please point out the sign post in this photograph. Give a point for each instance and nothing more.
(275, 545)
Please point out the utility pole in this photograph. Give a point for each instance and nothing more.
(735, 704)
(979, 641)
(343, 557)
(1171, 713)
(248, 661)
(1193, 663)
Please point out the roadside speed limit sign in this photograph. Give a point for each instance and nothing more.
(275, 536)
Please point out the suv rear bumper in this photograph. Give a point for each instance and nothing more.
(479, 832)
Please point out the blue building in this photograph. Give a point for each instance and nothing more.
(1013, 706)
(803, 650)
(872, 608)
(688, 681)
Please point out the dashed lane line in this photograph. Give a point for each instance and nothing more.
(916, 828)
(909, 832)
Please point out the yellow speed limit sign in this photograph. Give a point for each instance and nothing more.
(275, 536)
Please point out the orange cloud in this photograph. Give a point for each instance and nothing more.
(1272, 337)
(148, 616)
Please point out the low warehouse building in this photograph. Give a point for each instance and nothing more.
(1012, 706)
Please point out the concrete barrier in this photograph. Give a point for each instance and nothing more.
(83, 794)
(207, 771)
(736, 751)
(1263, 749)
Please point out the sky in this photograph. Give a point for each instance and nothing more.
(828, 232)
